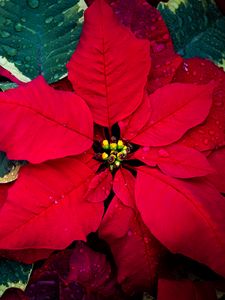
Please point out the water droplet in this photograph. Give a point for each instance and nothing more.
(48, 20)
(8, 22)
(185, 67)
(9, 50)
(206, 141)
(56, 76)
(4, 34)
(166, 36)
(18, 27)
(23, 20)
(28, 58)
(153, 28)
(33, 3)
(158, 47)
(163, 153)
(211, 132)
(56, 202)
(146, 149)
(146, 240)
(219, 103)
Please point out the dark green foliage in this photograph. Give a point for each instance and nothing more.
(197, 28)
(13, 274)
(38, 36)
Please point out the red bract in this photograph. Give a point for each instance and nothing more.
(137, 253)
(80, 274)
(146, 163)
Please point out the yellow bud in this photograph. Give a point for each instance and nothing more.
(113, 146)
(120, 144)
(117, 163)
(105, 144)
(104, 156)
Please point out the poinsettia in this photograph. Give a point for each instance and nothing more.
(140, 154)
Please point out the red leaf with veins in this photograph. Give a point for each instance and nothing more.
(114, 71)
(146, 22)
(211, 133)
(123, 187)
(99, 187)
(36, 128)
(186, 216)
(185, 290)
(175, 108)
(176, 160)
(45, 207)
(217, 160)
(135, 250)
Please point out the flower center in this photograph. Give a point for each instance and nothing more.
(113, 152)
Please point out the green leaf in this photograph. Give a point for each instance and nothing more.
(38, 37)
(197, 28)
(4, 86)
(13, 274)
(5, 164)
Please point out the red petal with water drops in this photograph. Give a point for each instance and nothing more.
(176, 160)
(217, 160)
(185, 290)
(45, 207)
(175, 108)
(146, 22)
(93, 272)
(99, 187)
(211, 133)
(123, 187)
(107, 72)
(34, 126)
(135, 250)
(188, 217)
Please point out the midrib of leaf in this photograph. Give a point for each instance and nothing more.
(188, 198)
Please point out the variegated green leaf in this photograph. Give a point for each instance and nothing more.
(197, 28)
(38, 37)
(13, 274)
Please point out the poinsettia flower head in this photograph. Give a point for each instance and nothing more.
(156, 184)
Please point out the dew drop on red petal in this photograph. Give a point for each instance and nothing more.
(163, 153)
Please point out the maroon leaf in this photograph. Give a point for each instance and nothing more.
(185, 290)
